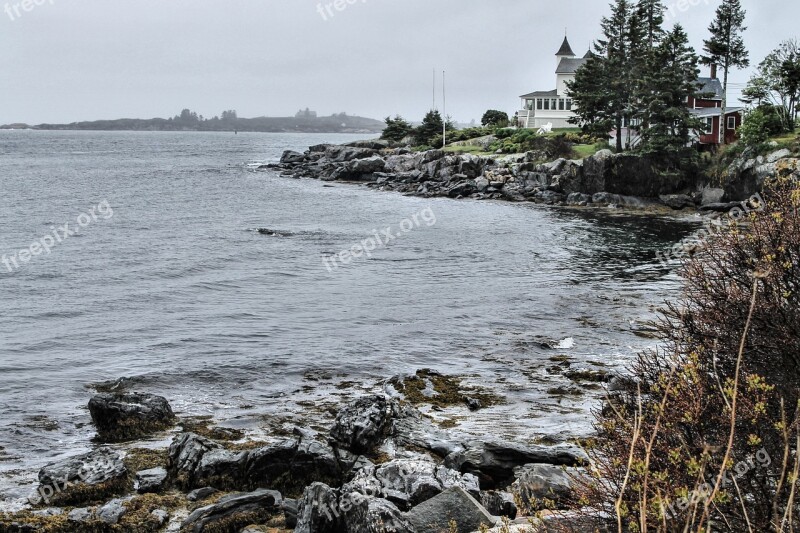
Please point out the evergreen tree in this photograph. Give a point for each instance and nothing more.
(397, 129)
(591, 95)
(601, 89)
(670, 122)
(432, 125)
(726, 46)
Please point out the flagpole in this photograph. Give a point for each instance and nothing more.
(444, 112)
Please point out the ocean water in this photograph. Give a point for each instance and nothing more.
(169, 283)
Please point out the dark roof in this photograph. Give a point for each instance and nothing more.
(554, 92)
(710, 88)
(570, 65)
(566, 49)
(589, 54)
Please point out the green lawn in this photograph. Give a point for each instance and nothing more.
(584, 150)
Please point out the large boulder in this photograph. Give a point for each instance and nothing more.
(494, 462)
(540, 486)
(290, 157)
(677, 201)
(452, 506)
(128, 416)
(232, 513)
(83, 478)
(409, 482)
(412, 430)
(364, 424)
(290, 465)
(318, 510)
(152, 480)
(373, 515)
(359, 167)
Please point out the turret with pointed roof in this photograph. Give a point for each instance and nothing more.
(565, 50)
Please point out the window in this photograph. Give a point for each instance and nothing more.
(732, 122)
(569, 104)
(539, 104)
(561, 104)
(554, 103)
(547, 104)
(709, 127)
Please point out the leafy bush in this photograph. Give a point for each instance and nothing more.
(705, 437)
(760, 124)
(469, 133)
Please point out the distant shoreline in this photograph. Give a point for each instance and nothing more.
(341, 123)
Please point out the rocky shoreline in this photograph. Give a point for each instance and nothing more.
(383, 466)
(602, 180)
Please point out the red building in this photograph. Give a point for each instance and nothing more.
(707, 106)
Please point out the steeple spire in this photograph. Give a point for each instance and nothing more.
(566, 49)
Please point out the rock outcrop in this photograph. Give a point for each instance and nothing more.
(129, 416)
(514, 178)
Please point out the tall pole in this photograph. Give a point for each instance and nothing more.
(444, 112)
(434, 90)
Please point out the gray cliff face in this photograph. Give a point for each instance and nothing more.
(747, 174)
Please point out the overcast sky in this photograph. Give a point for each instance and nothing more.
(70, 60)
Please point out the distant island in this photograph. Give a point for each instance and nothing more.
(305, 121)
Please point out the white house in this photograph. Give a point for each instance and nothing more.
(540, 108)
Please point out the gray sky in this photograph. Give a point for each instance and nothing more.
(69, 60)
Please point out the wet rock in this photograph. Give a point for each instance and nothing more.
(234, 512)
(412, 430)
(677, 201)
(538, 486)
(481, 184)
(463, 188)
(185, 454)
(578, 198)
(290, 157)
(369, 165)
(129, 416)
(152, 480)
(160, 517)
(196, 462)
(81, 515)
(453, 505)
(473, 404)
(607, 198)
(499, 503)
(365, 423)
(408, 482)
(290, 508)
(92, 476)
(373, 515)
(494, 462)
(201, 494)
(112, 512)
(318, 510)
(50, 511)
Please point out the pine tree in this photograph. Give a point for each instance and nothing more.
(726, 47)
(670, 122)
(397, 129)
(591, 95)
(601, 90)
